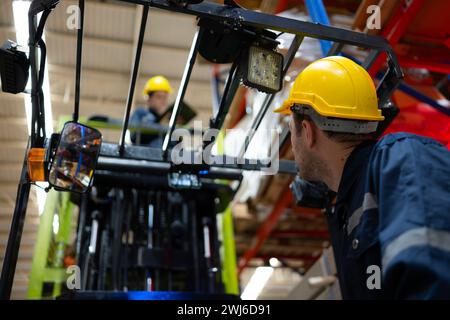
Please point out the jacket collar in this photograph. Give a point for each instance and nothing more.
(353, 167)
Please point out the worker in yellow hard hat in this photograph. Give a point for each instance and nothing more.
(390, 222)
(156, 93)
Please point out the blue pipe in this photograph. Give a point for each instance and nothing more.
(424, 98)
(318, 14)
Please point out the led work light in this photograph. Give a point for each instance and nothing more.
(263, 70)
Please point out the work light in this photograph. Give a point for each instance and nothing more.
(14, 66)
(263, 69)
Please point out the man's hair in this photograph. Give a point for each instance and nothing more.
(340, 137)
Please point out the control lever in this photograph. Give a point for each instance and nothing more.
(149, 284)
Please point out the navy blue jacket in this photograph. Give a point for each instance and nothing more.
(392, 215)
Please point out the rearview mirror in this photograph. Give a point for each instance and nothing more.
(75, 159)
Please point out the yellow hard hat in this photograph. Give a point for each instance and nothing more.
(335, 87)
(157, 83)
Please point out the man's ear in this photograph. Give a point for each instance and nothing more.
(309, 129)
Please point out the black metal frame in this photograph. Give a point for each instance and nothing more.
(155, 162)
(182, 90)
(36, 139)
(233, 16)
(240, 17)
(79, 60)
(134, 77)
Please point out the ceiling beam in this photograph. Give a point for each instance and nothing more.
(91, 101)
(99, 73)
(114, 42)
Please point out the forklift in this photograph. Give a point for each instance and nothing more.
(147, 225)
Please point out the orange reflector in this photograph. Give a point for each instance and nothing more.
(36, 158)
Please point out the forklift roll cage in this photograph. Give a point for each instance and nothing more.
(122, 156)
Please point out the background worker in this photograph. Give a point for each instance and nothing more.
(156, 91)
(392, 213)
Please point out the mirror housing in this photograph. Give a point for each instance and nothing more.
(74, 161)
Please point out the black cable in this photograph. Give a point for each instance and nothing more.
(79, 62)
(103, 260)
(33, 78)
(33, 124)
(41, 110)
(38, 112)
(129, 211)
(43, 51)
(217, 122)
(40, 28)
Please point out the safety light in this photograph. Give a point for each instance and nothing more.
(263, 69)
(36, 168)
(14, 66)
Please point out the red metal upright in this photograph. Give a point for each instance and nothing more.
(396, 27)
